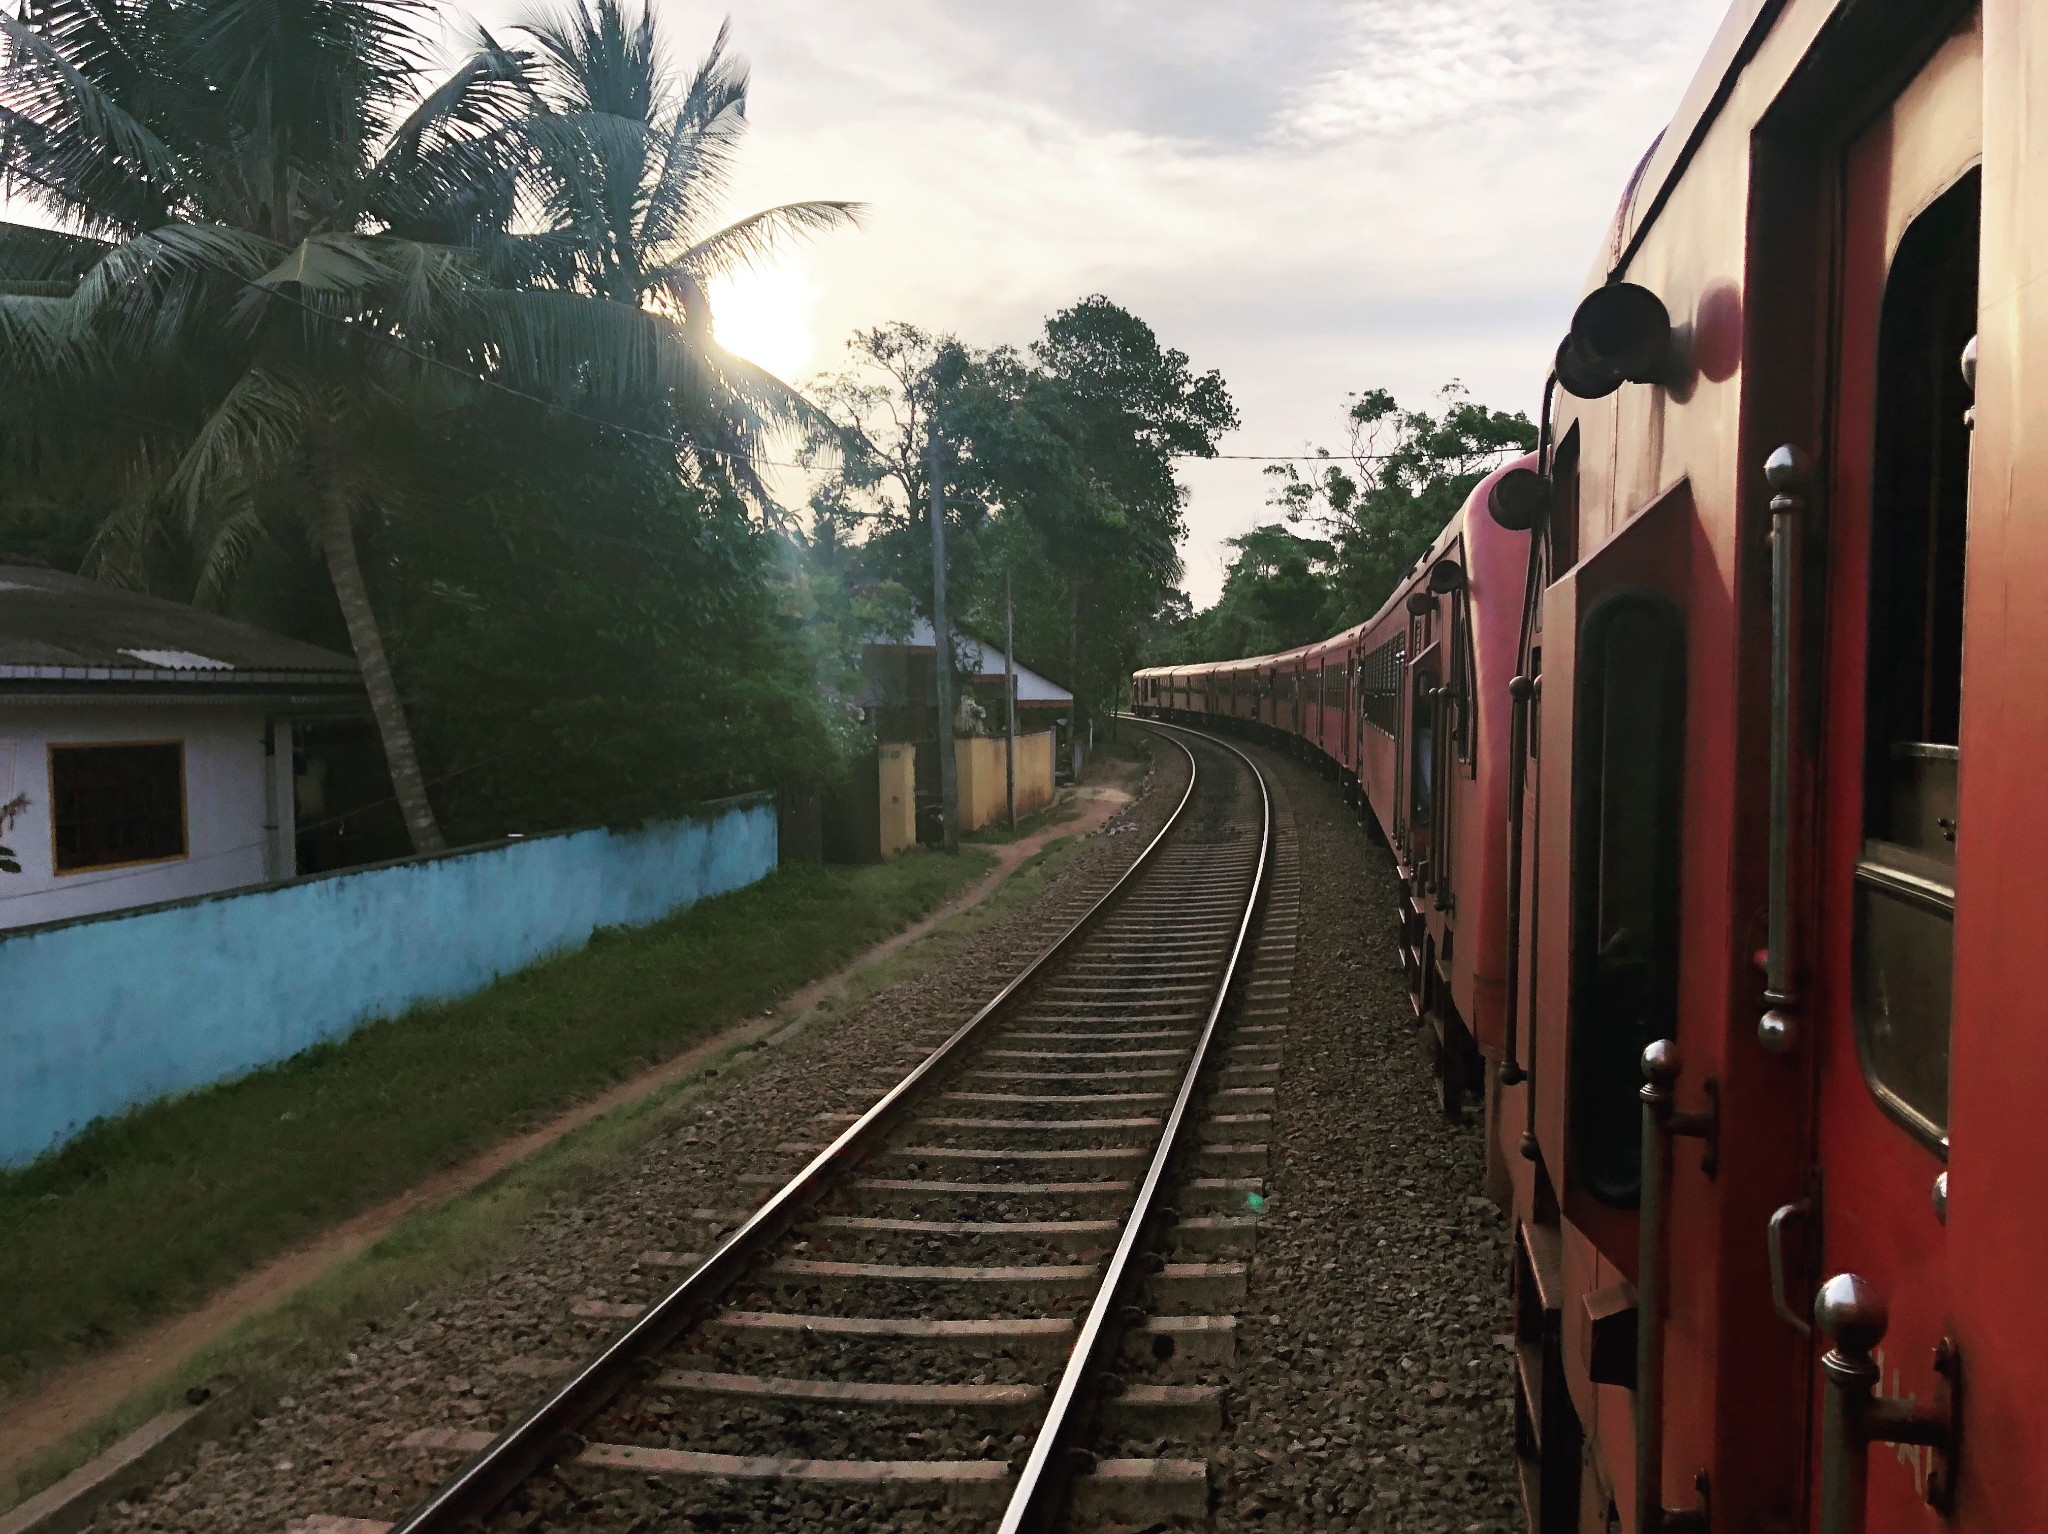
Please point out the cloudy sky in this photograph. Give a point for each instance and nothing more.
(1315, 196)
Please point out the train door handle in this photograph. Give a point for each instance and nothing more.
(1801, 1210)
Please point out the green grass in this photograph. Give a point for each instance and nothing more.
(148, 1213)
(441, 1248)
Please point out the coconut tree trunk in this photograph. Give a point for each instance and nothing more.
(337, 540)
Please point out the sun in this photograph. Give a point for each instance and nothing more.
(765, 315)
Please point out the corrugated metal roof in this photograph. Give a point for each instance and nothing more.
(983, 660)
(65, 628)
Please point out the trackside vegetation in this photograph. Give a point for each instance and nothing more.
(1368, 511)
(144, 1214)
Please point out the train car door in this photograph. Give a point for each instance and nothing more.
(1884, 840)
(1421, 762)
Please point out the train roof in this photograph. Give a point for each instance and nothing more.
(1451, 532)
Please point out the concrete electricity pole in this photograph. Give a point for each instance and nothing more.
(942, 659)
(1074, 682)
(1010, 698)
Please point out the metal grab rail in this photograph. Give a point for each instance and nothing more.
(1520, 691)
(1662, 1124)
(514, 1454)
(1787, 472)
(1041, 1482)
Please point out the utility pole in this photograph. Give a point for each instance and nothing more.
(1010, 698)
(1074, 682)
(942, 659)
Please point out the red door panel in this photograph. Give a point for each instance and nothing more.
(1884, 856)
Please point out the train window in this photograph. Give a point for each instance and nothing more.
(1422, 762)
(1628, 766)
(1564, 504)
(1379, 685)
(1905, 878)
(1464, 703)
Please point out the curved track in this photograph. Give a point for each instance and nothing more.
(964, 1258)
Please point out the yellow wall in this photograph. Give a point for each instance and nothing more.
(983, 799)
(898, 785)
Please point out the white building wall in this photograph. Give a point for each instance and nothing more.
(238, 803)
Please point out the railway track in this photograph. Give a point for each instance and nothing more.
(947, 1302)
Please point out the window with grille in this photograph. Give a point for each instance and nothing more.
(116, 804)
(1379, 685)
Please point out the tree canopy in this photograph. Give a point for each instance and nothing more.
(1373, 508)
(1402, 475)
(299, 274)
(1057, 464)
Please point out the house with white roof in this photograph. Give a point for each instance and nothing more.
(146, 747)
(899, 674)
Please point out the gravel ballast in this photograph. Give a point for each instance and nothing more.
(334, 1441)
(1371, 1390)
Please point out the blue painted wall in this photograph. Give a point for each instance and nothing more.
(99, 1015)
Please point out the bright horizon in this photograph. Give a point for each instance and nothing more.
(1358, 194)
(1352, 195)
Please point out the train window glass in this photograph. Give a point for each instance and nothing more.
(1628, 766)
(1564, 504)
(1905, 876)
(1464, 703)
(1422, 762)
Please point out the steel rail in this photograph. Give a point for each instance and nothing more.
(544, 1432)
(1041, 1484)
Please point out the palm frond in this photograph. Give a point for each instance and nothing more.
(309, 84)
(252, 433)
(233, 531)
(41, 340)
(762, 234)
(570, 345)
(699, 146)
(82, 133)
(474, 97)
(599, 59)
(121, 544)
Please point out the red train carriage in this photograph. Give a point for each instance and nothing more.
(1716, 791)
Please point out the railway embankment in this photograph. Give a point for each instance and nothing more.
(188, 1205)
(338, 1422)
(1371, 1390)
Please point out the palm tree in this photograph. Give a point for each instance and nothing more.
(279, 238)
(631, 161)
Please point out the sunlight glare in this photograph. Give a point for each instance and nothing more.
(765, 315)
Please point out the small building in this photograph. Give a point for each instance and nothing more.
(899, 694)
(146, 747)
(899, 686)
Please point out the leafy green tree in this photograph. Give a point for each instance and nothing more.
(1402, 476)
(1059, 469)
(591, 638)
(629, 163)
(283, 244)
(1278, 593)
(1126, 408)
